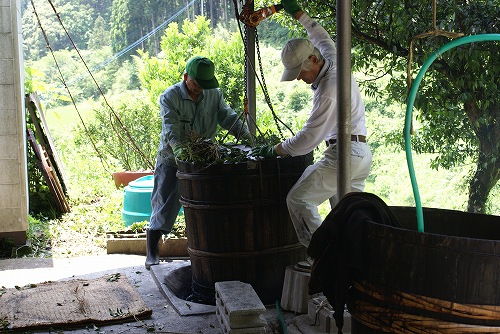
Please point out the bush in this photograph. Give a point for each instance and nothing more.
(128, 134)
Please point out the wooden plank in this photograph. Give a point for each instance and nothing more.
(44, 138)
(48, 173)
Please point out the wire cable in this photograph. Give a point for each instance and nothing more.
(104, 163)
(134, 44)
(123, 127)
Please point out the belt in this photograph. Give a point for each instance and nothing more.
(358, 138)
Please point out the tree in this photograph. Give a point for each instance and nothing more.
(179, 43)
(77, 17)
(457, 104)
(99, 36)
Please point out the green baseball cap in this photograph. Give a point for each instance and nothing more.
(202, 70)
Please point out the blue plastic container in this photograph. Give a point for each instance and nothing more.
(137, 200)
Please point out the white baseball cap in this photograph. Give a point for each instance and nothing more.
(294, 53)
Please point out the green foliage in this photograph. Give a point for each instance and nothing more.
(272, 33)
(77, 19)
(125, 78)
(80, 84)
(178, 44)
(40, 236)
(33, 81)
(457, 104)
(120, 26)
(96, 203)
(99, 36)
(128, 134)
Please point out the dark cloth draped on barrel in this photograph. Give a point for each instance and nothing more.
(336, 247)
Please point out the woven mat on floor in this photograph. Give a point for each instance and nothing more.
(63, 304)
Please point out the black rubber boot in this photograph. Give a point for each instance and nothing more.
(152, 248)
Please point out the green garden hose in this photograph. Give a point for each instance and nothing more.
(280, 318)
(409, 108)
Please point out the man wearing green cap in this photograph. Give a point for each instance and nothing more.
(194, 105)
(313, 61)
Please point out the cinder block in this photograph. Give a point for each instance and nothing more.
(226, 327)
(295, 295)
(347, 324)
(321, 313)
(239, 308)
(6, 71)
(6, 51)
(7, 98)
(5, 19)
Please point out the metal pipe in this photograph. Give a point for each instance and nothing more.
(344, 97)
(251, 94)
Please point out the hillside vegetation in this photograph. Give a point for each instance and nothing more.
(131, 88)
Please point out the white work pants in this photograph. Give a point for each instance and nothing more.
(318, 183)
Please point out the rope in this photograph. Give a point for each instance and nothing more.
(321, 303)
(394, 319)
(434, 32)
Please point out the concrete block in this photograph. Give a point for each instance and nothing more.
(5, 19)
(6, 71)
(295, 293)
(7, 98)
(13, 199)
(321, 314)
(9, 147)
(8, 125)
(239, 308)
(227, 329)
(6, 51)
(11, 172)
(234, 321)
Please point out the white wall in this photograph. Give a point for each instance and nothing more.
(13, 174)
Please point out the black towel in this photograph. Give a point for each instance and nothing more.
(336, 247)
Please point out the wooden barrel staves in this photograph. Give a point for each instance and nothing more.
(237, 224)
(446, 280)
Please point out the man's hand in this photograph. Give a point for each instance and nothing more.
(246, 138)
(180, 152)
(265, 151)
(291, 6)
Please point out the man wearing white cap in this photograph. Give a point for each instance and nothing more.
(313, 61)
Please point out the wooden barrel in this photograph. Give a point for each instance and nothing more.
(446, 280)
(237, 224)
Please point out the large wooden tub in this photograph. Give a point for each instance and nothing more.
(446, 280)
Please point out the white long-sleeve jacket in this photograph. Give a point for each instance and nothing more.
(323, 119)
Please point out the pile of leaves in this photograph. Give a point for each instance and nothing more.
(202, 150)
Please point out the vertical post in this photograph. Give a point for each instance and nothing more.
(344, 97)
(14, 194)
(250, 62)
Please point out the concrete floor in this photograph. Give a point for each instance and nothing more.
(165, 318)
